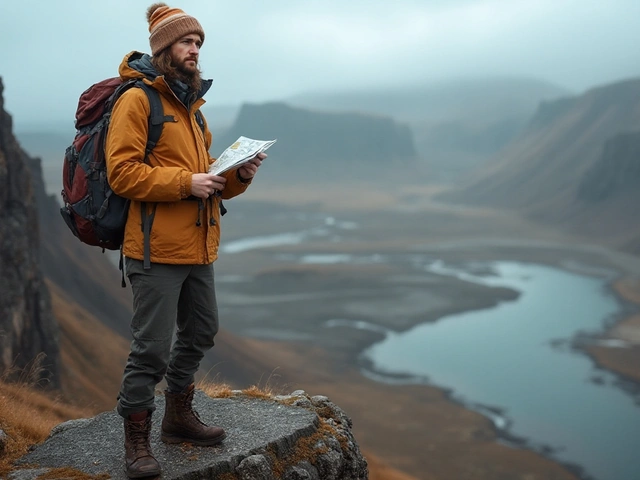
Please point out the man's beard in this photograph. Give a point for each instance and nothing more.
(189, 75)
(165, 66)
(188, 70)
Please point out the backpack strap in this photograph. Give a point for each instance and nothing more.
(157, 119)
(200, 120)
(147, 221)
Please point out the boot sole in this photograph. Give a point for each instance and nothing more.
(166, 438)
(143, 475)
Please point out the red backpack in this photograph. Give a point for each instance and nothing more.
(91, 210)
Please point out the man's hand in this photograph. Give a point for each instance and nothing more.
(204, 184)
(249, 169)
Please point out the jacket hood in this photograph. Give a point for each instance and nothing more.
(138, 65)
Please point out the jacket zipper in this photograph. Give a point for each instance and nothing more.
(205, 230)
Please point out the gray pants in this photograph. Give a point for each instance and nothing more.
(164, 297)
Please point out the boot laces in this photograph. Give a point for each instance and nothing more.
(187, 404)
(139, 434)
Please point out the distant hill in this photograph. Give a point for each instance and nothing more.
(322, 145)
(220, 117)
(456, 124)
(576, 165)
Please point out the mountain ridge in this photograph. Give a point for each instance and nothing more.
(567, 149)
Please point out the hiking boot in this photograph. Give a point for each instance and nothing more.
(182, 424)
(139, 461)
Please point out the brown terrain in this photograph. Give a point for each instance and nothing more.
(273, 306)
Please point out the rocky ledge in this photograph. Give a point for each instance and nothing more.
(291, 437)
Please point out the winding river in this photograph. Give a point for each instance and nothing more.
(516, 359)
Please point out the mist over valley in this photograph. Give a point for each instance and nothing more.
(443, 241)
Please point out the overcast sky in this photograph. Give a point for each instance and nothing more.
(268, 50)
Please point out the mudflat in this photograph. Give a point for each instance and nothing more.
(297, 259)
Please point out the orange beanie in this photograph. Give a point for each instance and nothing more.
(168, 25)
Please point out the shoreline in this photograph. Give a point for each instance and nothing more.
(620, 360)
(630, 384)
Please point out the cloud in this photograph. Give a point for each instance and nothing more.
(51, 51)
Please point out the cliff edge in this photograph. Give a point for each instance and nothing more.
(290, 437)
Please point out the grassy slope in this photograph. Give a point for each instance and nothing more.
(93, 356)
(27, 416)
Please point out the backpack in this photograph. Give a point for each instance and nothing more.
(92, 211)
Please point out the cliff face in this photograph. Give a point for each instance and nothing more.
(27, 325)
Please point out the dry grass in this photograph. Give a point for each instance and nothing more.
(223, 390)
(215, 390)
(27, 415)
(304, 450)
(255, 391)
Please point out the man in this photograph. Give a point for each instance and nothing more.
(171, 186)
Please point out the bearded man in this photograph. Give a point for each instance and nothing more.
(172, 276)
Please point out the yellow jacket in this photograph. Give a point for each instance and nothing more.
(177, 237)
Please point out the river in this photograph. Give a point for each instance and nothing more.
(517, 360)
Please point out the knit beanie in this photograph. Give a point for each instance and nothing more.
(168, 25)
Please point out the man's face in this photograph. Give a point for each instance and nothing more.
(184, 54)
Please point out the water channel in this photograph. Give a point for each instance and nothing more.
(516, 359)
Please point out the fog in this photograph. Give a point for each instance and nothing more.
(50, 52)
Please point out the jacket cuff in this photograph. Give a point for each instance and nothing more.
(185, 184)
(242, 180)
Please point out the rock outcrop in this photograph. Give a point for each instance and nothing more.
(292, 437)
(28, 330)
